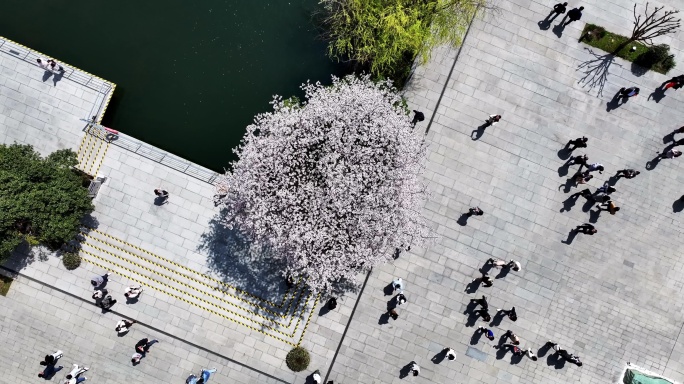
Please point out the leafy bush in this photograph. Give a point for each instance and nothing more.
(71, 260)
(41, 199)
(656, 55)
(593, 32)
(5, 283)
(298, 359)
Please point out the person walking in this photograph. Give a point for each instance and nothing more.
(605, 189)
(531, 354)
(671, 154)
(136, 357)
(485, 280)
(514, 348)
(52, 358)
(162, 196)
(675, 82)
(332, 303)
(580, 160)
(586, 229)
(73, 376)
(512, 337)
(398, 284)
(608, 206)
(557, 10)
(510, 313)
(107, 302)
(206, 374)
(481, 302)
(99, 294)
(54, 67)
(626, 93)
(595, 167)
(498, 263)
(97, 281)
(484, 314)
(450, 354)
(627, 173)
(401, 299)
(475, 211)
(492, 120)
(487, 332)
(133, 291)
(414, 368)
(49, 371)
(574, 15)
(124, 326)
(580, 142)
(582, 178)
(43, 63)
(316, 376)
(417, 117)
(144, 345)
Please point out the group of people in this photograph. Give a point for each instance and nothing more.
(559, 9)
(602, 195)
(50, 65)
(50, 363)
(102, 297)
(399, 299)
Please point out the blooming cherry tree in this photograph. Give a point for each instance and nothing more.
(331, 185)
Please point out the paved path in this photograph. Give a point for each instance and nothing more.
(611, 298)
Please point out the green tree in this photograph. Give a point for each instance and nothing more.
(387, 35)
(41, 199)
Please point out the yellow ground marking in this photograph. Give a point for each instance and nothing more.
(203, 292)
(301, 338)
(83, 151)
(199, 306)
(284, 315)
(199, 298)
(193, 271)
(104, 155)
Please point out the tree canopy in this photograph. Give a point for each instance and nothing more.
(41, 199)
(384, 33)
(332, 186)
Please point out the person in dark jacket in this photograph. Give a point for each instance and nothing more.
(558, 9)
(574, 15)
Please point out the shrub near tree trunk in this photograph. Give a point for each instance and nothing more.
(41, 199)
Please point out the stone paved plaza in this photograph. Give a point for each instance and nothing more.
(611, 298)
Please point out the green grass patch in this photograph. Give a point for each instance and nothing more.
(656, 58)
(5, 283)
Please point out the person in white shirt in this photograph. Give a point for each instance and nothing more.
(43, 63)
(123, 326)
(133, 291)
(450, 354)
(398, 284)
(414, 368)
(316, 377)
(72, 377)
(493, 119)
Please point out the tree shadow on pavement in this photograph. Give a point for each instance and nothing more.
(239, 261)
(596, 71)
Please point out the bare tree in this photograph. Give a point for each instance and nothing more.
(653, 25)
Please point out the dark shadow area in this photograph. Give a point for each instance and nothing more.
(324, 310)
(596, 71)
(472, 319)
(392, 303)
(438, 358)
(570, 239)
(594, 216)
(678, 205)
(668, 138)
(497, 319)
(463, 220)
(475, 338)
(555, 361)
(476, 134)
(405, 371)
(657, 95)
(122, 334)
(237, 260)
(614, 103)
(47, 75)
(516, 359)
(652, 164)
(565, 168)
(569, 183)
(131, 300)
(558, 30)
(473, 286)
(613, 180)
(502, 273)
(501, 351)
(57, 77)
(588, 204)
(541, 352)
(564, 153)
(486, 268)
(388, 290)
(638, 70)
(569, 202)
(544, 24)
(384, 318)
(159, 200)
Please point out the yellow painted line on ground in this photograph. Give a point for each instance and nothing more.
(284, 315)
(96, 157)
(301, 338)
(104, 155)
(193, 271)
(80, 146)
(192, 303)
(199, 298)
(83, 151)
(91, 151)
(207, 285)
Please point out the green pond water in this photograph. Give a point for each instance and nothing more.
(190, 75)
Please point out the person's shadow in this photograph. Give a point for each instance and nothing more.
(496, 320)
(132, 300)
(678, 205)
(668, 138)
(384, 318)
(472, 318)
(324, 310)
(657, 95)
(475, 338)
(614, 103)
(405, 371)
(477, 133)
(569, 202)
(161, 200)
(594, 215)
(559, 28)
(463, 220)
(588, 204)
(569, 183)
(47, 75)
(501, 352)
(652, 164)
(563, 169)
(473, 286)
(502, 273)
(564, 153)
(388, 290)
(571, 238)
(438, 358)
(57, 77)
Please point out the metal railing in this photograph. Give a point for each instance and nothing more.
(162, 157)
(76, 75)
